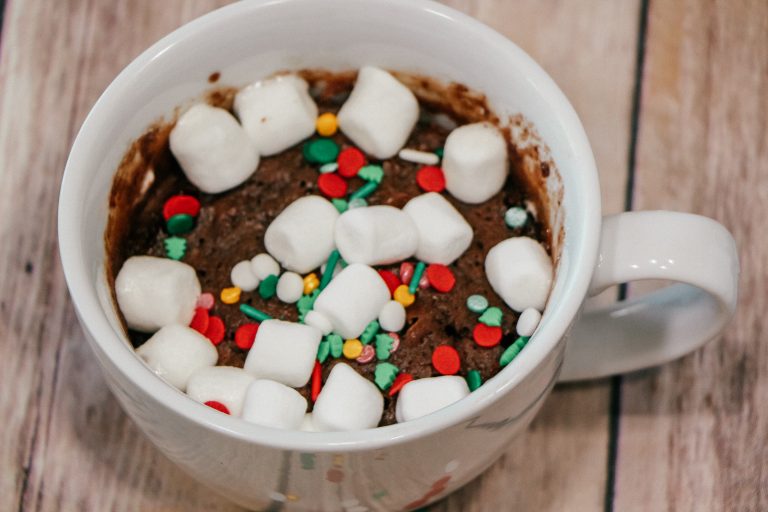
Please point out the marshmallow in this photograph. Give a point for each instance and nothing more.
(176, 352)
(377, 235)
(348, 401)
(301, 237)
(520, 271)
(155, 292)
(444, 235)
(243, 277)
(271, 404)
(425, 396)
(318, 320)
(307, 424)
(528, 322)
(284, 352)
(224, 384)
(475, 162)
(212, 149)
(392, 316)
(276, 113)
(290, 287)
(353, 299)
(263, 265)
(380, 113)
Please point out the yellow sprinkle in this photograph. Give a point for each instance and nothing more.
(292, 497)
(230, 295)
(326, 124)
(403, 296)
(338, 460)
(310, 283)
(352, 348)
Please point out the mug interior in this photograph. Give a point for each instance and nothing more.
(253, 39)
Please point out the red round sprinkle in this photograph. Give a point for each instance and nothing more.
(317, 384)
(213, 404)
(440, 277)
(216, 330)
(200, 321)
(406, 272)
(181, 204)
(245, 334)
(332, 185)
(401, 380)
(391, 280)
(446, 360)
(350, 161)
(206, 301)
(486, 335)
(431, 179)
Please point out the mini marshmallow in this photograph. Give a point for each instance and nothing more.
(301, 237)
(444, 235)
(528, 322)
(224, 384)
(318, 320)
(290, 287)
(276, 113)
(212, 149)
(353, 299)
(307, 424)
(392, 316)
(425, 396)
(176, 352)
(271, 404)
(475, 162)
(155, 292)
(284, 352)
(520, 271)
(376, 235)
(243, 277)
(263, 265)
(348, 401)
(380, 113)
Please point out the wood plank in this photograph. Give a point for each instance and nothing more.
(693, 432)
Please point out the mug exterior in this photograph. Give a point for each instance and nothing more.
(396, 467)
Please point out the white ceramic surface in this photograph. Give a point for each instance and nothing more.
(405, 465)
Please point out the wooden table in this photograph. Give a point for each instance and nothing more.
(674, 97)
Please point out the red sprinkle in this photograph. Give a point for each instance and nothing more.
(332, 185)
(200, 321)
(446, 360)
(317, 385)
(486, 335)
(406, 272)
(216, 330)
(431, 179)
(401, 380)
(206, 301)
(245, 335)
(213, 404)
(181, 204)
(350, 161)
(391, 280)
(440, 277)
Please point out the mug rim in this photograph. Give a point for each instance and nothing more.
(80, 280)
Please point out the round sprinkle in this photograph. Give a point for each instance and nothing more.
(440, 277)
(200, 320)
(317, 383)
(332, 185)
(417, 273)
(230, 295)
(384, 375)
(243, 277)
(406, 272)
(310, 283)
(252, 312)
(528, 321)
(180, 224)
(491, 317)
(264, 265)
(245, 335)
(508, 355)
(431, 179)
(486, 336)
(329, 167)
(352, 349)
(474, 380)
(418, 157)
(391, 280)
(367, 354)
(446, 360)
(350, 161)
(515, 217)
(403, 296)
(290, 287)
(364, 191)
(423, 283)
(175, 247)
(477, 303)
(357, 202)
(213, 404)
(268, 287)
(216, 330)
(326, 124)
(395, 341)
(206, 301)
(400, 381)
(392, 316)
(320, 151)
(181, 204)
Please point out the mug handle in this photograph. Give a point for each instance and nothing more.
(696, 252)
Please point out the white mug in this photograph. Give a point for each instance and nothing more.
(411, 464)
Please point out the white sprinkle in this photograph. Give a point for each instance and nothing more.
(243, 277)
(392, 316)
(528, 322)
(290, 287)
(329, 167)
(419, 157)
(515, 217)
(264, 265)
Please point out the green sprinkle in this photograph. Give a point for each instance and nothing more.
(329, 167)
(373, 173)
(380, 494)
(307, 461)
(384, 375)
(369, 332)
(358, 202)
(439, 152)
(417, 273)
(268, 287)
(364, 191)
(252, 312)
(180, 224)
(175, 247)
(340, 204)
(323, 351)
(320, 151)
(330, 266)
(477, 303)
(515, 217)
(384, 344)
(306, 302)
(474, 380)
(491, 317)
(336, 344)
(513, 350)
